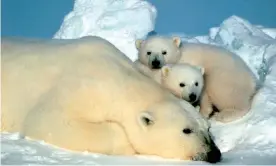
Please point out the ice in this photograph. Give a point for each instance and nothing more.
(114, 20)
(251, 140)
(246, 40)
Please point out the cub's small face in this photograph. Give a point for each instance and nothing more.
(168, 130)
(157, 51)
(183, 80)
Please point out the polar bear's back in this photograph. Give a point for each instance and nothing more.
(26, 76)
(34, 69)
(210, 56)
(215, 58)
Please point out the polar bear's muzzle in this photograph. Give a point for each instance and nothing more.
(156, 61)
(191, 98)
(213, 154)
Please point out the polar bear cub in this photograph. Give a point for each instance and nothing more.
(229, 83)
(156, 51)
(183, 80)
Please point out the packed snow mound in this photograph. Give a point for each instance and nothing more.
(246, 40)
(118, 21)
(250, 140)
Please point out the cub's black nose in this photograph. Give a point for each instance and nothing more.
(155, 64)
(192, 97)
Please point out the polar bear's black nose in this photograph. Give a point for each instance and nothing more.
(192, 97)
(214, 155)
(155, 64)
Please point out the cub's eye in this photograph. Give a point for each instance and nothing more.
(196, 83)
(164, 52)
(187, 131)
(148, 53)
(181, 84)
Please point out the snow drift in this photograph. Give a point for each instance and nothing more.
(115, 20)
(251, 140)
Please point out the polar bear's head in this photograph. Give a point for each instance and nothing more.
(156, 51)
(183, 80)
(172, 130)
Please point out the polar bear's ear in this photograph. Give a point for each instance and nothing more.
(146, 119)
(165, 70)
(176, 40)
(201, 69)
(138, 43)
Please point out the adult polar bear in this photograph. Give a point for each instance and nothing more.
(84, 94)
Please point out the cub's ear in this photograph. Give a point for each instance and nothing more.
(176, 40)
(138, 43)
(201, 69)
(165, 70)
(146, 119)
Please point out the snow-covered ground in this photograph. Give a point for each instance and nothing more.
(251, 140)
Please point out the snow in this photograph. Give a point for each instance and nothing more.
(115, 20)
(250, 140)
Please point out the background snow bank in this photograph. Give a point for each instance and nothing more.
(119, 21)
(251, 140)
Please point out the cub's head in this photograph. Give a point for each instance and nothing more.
(183, 80)
(169, 130)
(156, 51)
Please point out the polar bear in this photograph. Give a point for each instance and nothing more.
(183, 80)
(155, 52)
(86, 95)
(229, 83)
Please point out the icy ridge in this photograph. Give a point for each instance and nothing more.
(119, 21)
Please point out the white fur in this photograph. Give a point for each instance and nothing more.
(229, 83)
(174, 76)
(86, 95)
(163, 49)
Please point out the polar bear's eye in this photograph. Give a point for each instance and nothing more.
(147, 121)
(164, 52)
(187, 131)
(148, 53)
(181, 84)
(196, 83)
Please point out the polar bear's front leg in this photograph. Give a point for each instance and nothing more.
(108, 138)
(205, 105)
(102, 137)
